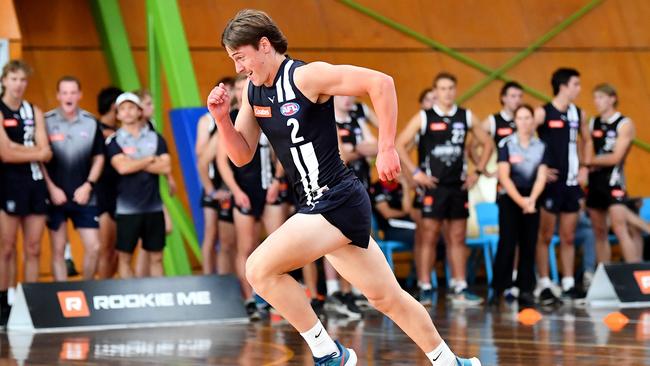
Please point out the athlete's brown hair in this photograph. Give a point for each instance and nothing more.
(248, 27)
(607, 89)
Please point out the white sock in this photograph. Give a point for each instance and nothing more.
(460, 285)
(514, 275)
(545, 283)
(442, 355)
(319, 341)
(568, 283)
(67, 253)
(425, 286)
(11, 295)
(332, 286)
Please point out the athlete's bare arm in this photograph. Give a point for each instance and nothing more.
(540, 115)
(483, 139)
(318, 81)
(14, 153)
(404, 145)
(124, 165)
(202, 134)
(228, 176)
(206, 155)
(239, 141)
(624, 140)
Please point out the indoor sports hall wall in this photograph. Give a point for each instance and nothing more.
(609, 43)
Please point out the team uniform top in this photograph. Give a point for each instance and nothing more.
(560, 134)
(501, 126)
(258, 173)
(74, 145)
(391, 193)
(351, 132)
(523, 161)
(20, 126)
(304, 137)
(604, 135)
(441, 144)
(137, 192)
(213, 172)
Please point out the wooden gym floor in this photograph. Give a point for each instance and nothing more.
(564, 336)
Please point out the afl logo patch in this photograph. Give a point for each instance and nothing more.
(289, 109)
(458, 126)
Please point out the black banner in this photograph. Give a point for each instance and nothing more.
(128, 302)
(621, 285)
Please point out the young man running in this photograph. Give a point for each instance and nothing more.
(291, 102)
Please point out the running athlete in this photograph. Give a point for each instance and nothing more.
(559, 123)
(357, 142)
(442, 171)
(291, 102)
(255, 188)
(612, 134)
(23, 147)
(106, 187)
(216, 200)
(77, 161)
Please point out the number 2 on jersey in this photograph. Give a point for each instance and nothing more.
(293, 123)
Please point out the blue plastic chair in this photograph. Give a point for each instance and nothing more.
(644, 212)
(552, 259)
(388, 247)
(488, 222)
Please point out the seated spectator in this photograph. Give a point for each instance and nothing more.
(391, 207)
(77, 161)
(139, 155)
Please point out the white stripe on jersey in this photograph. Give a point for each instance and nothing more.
(286, 84)
(278, 90)
(265, 161)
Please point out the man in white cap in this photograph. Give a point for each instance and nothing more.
(139, 155)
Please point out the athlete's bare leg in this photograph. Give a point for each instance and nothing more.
(429, 235)
(366, 269)
(107, 264)
(547, 222)
(248, 234)
(33, 227)
(210, 232)
(599, 227)
(567, 232)
(9, 228)
(631, 253)
(90, 240)
(58, 239)
(227, 248)
(457, 248)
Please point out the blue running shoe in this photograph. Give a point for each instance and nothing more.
(467, 361)
(346, 357)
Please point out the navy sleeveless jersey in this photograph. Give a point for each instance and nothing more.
(441, 144)
(351, 133)
(560, 134)
(20, 126)
(258, 173)
(604, 135)
(501, 126)
(303, 135)
(213, 172)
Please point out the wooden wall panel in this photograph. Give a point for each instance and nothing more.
(611, 43)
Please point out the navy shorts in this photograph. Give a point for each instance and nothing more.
(558, 197)
(257, 198)
(419, 197)
(445, 202)
(150, 227)
(223, 207)
(602, 197)
(83, 217)
(23, 197)
(347, 207)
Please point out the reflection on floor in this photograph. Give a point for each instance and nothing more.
(565, 336)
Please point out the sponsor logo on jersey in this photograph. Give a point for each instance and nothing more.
(611, 133)
(438, 126)
(618, 193)
(516, 159)
(574, 124)
(29, 122)
(504, 131)
(10, 122)
(57, 137)
(129, 150)
(73, 304)
(643, 280)
(458, 125)
(597, 133)
(556, 123)
(289, 109)
(262, 112)
(427, 201)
